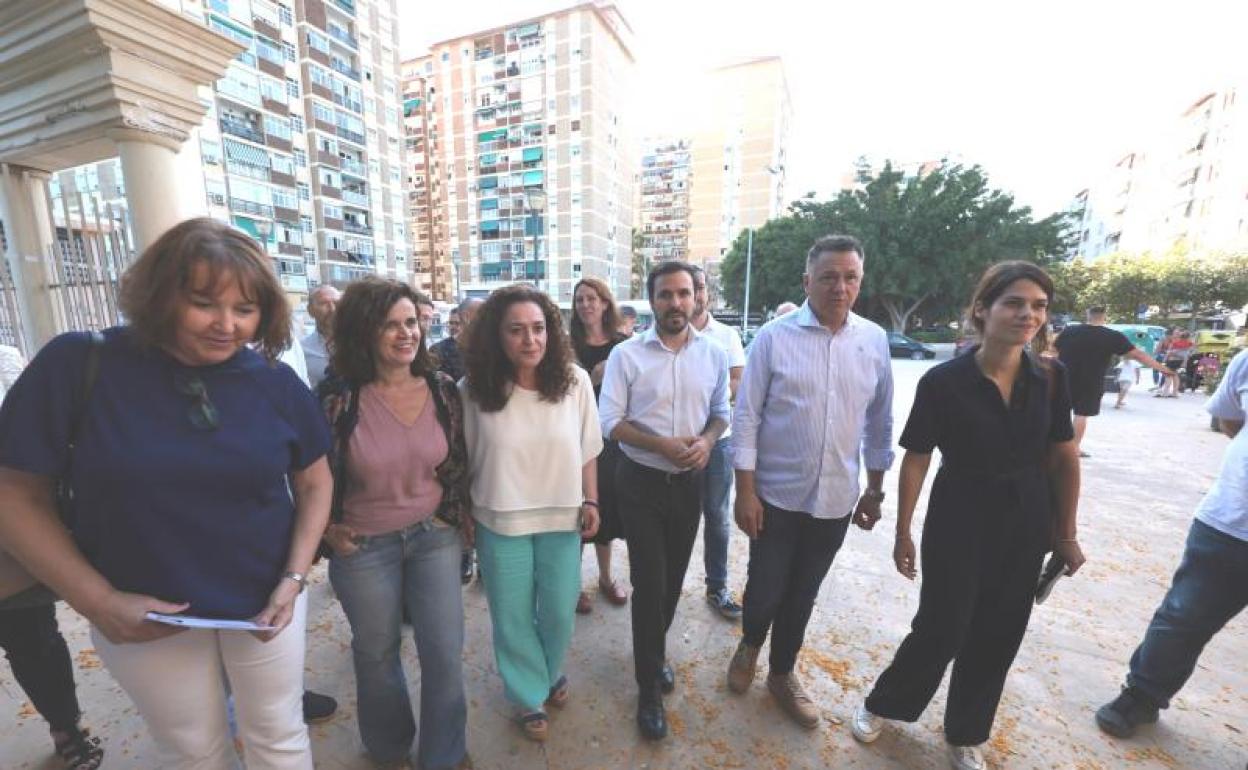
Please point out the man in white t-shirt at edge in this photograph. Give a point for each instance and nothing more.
(717, 478)
(1211, 584)
(321, 303)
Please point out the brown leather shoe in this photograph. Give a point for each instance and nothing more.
(793, 699)
(742, 668)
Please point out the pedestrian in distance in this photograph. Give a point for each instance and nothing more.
(665, 399)
(1128, 375)
(595, 316)
(400, 505)
(1008, 481)
(181, 504)
(1210, 586)
(1085, 351)
(817, 391)
(533, 438)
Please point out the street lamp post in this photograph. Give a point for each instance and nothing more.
(749, 267)
(535, 201)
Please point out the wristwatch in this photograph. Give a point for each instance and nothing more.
(875, 495)
(302, 580)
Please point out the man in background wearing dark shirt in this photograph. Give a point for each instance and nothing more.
(450, 359)
(449, 355)
(1085, 349)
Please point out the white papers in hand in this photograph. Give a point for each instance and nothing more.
(190, 621)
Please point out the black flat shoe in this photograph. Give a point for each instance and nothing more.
(466, 568)
(651, 718)
(667, 679)
(317, 707)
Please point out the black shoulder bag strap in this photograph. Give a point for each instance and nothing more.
(78, 413)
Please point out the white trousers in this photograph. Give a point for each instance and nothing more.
(177, 685)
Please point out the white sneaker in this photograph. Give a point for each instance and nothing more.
(966, 758)
(866, 726)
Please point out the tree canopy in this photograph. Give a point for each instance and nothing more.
(1176, 281)
(927, 239)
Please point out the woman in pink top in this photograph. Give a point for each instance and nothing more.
(399, 500)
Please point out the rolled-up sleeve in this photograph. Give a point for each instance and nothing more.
(613, 397)
(751, 396)
(877, 438)
(1228, 401)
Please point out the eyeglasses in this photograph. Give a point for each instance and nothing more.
(202, 414)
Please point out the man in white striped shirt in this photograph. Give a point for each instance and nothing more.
(817, 390)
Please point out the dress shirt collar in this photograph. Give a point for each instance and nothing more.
(806, 317)
(651, 337)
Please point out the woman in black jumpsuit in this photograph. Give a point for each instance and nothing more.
(1005, 494)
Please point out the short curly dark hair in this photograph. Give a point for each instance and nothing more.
(358, 320)
(490, 372)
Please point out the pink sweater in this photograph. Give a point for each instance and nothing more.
(390, 467)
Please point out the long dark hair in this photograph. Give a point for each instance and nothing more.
(358, 320)
(610, 316)
(996, 280)
(490, 372)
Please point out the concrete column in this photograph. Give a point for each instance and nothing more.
(153, 184)
(28, 231)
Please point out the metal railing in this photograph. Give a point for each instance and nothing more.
(238, 128)
(84, 257)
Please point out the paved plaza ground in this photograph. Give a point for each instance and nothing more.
(1150, 464)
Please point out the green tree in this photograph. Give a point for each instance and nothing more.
(926, 238)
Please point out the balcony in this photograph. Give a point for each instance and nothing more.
(252, 208)
(353, 167)
(350, 136)
(346, 5)
(343, 37)
(345, 69)
(239, 128)
(356, 228)
(355, 198)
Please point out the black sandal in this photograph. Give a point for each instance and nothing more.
(560, 693)
(79, 750)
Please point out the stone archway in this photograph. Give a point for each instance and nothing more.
(83, 81)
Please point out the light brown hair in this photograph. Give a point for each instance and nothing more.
(155, 286)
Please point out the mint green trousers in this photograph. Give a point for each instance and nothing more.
(531, 583)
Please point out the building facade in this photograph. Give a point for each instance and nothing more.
(301, 146)
(739, 151)
(1190, 187)
(663, 199)
(529, 163)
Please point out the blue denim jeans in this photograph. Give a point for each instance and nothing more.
(1210, 588)
(417, 568)
(716, 489)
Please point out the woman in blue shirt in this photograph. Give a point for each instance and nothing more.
(183, 467)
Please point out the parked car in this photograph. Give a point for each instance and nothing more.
(901, 346)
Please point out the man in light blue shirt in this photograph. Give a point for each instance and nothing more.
(665, 399)
(717, 479)
(321, 304)
(817, 391)
(1211, 584)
